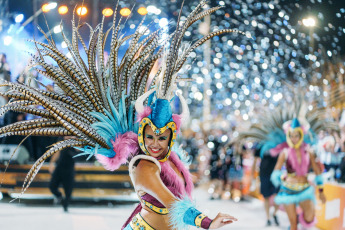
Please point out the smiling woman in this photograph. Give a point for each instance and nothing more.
(157, 145)
(161, 181)
(94, 102)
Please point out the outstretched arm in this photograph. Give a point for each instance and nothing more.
(147, 178)
(318, 177)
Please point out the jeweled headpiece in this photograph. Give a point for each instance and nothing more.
(160, 118)
(294, 126)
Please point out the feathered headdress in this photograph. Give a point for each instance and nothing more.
(158, 115)
(96, 103)
(97, 100)
(273, 126)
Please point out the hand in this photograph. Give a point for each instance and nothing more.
(322, 197)
(51, 168)
(222, 220)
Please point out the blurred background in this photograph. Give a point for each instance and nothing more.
(289, 44)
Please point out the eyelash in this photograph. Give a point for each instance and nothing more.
(160, 139)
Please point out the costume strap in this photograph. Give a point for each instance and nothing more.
(144, 157)
(131, 169)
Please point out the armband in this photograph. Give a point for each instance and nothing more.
(183, 213)
(319, 179)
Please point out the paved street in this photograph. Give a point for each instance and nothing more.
(110, 215)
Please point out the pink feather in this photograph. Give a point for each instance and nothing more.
(168, 174)
(178, 120)
(278, 149)
(125, 145)
(147, 111)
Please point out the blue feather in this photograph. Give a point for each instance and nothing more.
(130, 116)
(111, 124)
(124, 112)
(181, 154)
(274, 138)
(177, 212)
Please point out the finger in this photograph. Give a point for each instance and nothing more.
(227, 221)
(229, 218)
(226, 216)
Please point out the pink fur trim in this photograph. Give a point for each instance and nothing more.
(178, 120)
(147, 111)
(169, 175)
(300, 168)
(278, 149)
(304, 223)
(125, 145)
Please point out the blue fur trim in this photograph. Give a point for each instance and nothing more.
(285, 198)
(111, 124)
(190, 215)
(319, 179)
(274, 138)
(275, 178)
(179, 211)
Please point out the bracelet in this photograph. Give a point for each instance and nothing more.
(320, 187)
(199, 219)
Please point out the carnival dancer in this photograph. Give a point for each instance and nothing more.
(295, 188)
(161, 180)
(94, 102)
(278, 131)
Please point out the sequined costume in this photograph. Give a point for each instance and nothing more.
(94, 102)
(293, 192)
(273, 133)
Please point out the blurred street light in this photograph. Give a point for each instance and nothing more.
(125, 12)
(309, 22)
(48, 6)
(57, 29)
(45, 8)
(142, 10)
(63, 10)
(107, 12)
(19, 18)
(82, 10)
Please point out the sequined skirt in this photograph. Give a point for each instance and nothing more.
(294, 193)
(138, 223)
